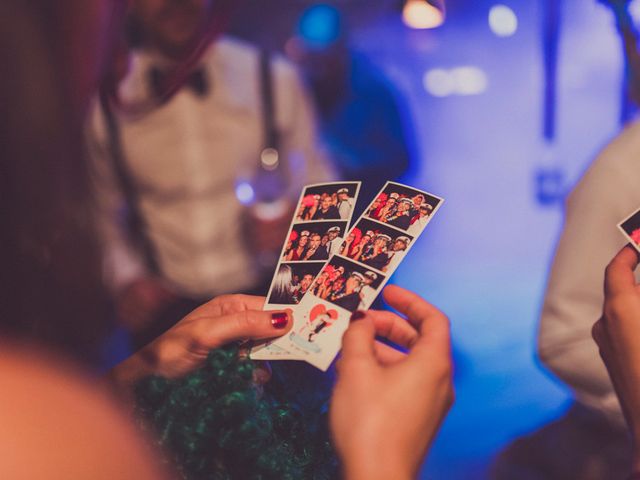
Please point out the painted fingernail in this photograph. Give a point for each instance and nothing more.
(279, 320)
(357, 315)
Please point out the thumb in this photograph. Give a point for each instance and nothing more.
(358, 342)
(248, 324)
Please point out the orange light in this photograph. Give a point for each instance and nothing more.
(423, 14)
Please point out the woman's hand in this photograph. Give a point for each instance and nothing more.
(185, 346)
(617, 334)
(387, 406)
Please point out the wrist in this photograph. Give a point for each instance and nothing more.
(124, 375)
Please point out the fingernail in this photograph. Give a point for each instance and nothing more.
(279, 320)
(357, 315)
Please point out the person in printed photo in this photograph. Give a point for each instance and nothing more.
(283, 289)
(345, 203)
(299, 248)
(305, 283)
(389, 208)
(327, 210)
(316, 251)
(349, 297)
(320, 284)
(401, 218)
(349, 244)
(364, 245)
(333, 245)
(367, 292)
(378, 257)
(419, 221)
(416, 201)
(396, 252)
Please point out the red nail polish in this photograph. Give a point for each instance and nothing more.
(279, 320)
(357, 315)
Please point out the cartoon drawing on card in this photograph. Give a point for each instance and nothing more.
(319, 321)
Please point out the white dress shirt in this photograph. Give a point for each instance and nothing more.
(608, 191)
(186, 158)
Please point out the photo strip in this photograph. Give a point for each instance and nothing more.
(347, 284)
(630, 227)
(313, 254)
(291, 282)
(376, 245)
(403, 207)
(331, 201)
(313, 241)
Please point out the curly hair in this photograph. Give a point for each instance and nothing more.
(216, 424)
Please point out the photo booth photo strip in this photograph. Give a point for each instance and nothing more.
(342, 194)
(346, 285)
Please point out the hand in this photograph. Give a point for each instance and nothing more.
(617, 334)
(140, 301)
(387, 406)
(186, 345)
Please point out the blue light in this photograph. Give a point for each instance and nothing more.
(245, 193)
(319, 26)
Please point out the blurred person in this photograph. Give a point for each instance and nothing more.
(378, 257)
(401, 218)
(365, 122)
(299, 247)
(348, 297)
(176, 165)
(367, 293)
(55, 423)
(594, 426)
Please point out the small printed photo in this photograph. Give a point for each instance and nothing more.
(376, 245)
(332, 201)
(631, 228)
(347, 284)
(291, 282)
(314, 241)
(403, 207)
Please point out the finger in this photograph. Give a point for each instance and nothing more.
(417, 310)
(619, 275)
(247, 324)
(394, 328)
(229, 304)
(358, 341)
(432, 324)
(387, 355)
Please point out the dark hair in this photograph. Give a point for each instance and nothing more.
(216, 424)
(50, 275)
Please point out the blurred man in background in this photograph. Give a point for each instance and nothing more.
(184, 167)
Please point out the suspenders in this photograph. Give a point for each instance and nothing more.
(135, 220)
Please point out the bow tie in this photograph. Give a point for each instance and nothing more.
(197, 81)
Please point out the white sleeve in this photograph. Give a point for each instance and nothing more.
(297, 123)
(122, 262)
(574, 296)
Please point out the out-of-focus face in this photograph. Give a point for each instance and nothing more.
(418, 200)
(303, 241)
(315, 241)
(333, 234)
(403, 207)
(365, 239)
(351, 237)
(326, 203)
(342, 196)
(380, 243)
(337, 285)
(172, 25)
(391, 202)
(325, 239)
